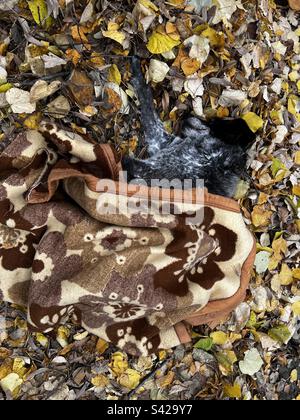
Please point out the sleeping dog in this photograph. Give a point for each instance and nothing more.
(214, 152)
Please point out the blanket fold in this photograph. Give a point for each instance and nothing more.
(134, 266)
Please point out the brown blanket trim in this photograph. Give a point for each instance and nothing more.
(190, 197)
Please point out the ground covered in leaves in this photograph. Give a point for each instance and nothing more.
(69, 61)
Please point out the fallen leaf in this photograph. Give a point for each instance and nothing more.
(59, 107)
(260, 216)
(296, 308)
(281, 334)
(11, 383)
(252, 363)
(100, 381)
(101, 346)
(226, 359)
(113, 32)
(81, 88)
(219, 338)
(19, 100)
(232, 391)
(33, 121)
(130, 379)
(39, 12)
(117, 98)
(199, 47)
(158, 71)
(119, 363)
(41, 89)
(231, 97)
(205, 344)
(161, 43)
(286, 275)
(262, 262)
(114, 75)
(254, 122)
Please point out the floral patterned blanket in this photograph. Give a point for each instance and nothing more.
(76, 242)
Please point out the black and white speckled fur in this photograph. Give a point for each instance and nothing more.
(202, 152)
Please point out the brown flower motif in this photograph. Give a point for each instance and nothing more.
(126, 299)
(197, 249)
(17, 245)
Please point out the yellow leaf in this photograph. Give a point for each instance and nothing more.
(286, 275)
(216, 39)
(294, 76)
(39, 11)
(5, 87)
(162, 355)
(114, 33)
(6, 368)
(296, 273)
(42, 339)
(254, 122)
(12, 384)
(114, 75)
(280, 247)
(97, 60)
(19, 367)
(296, 190)
(33, 121)
(297, 158)
(293, 104)
(226, 360)
(296, 308)
(119, 363)
(232, 391)
(149, 5)
(219, 338)
(260, 216)
(294, 375)
(298, 86)
(130, 379)
(161, 43)
(62, 336)
(100, 381)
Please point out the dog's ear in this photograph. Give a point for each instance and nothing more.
(235, 132)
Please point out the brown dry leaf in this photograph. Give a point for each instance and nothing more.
(97, 60)
(101, 346)
(81, 88)
(166, 380)
(79, 35)
(190, 66)
(112, 102)
(6, 368)
(73, 55)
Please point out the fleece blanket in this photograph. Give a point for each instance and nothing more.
(76, 242)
